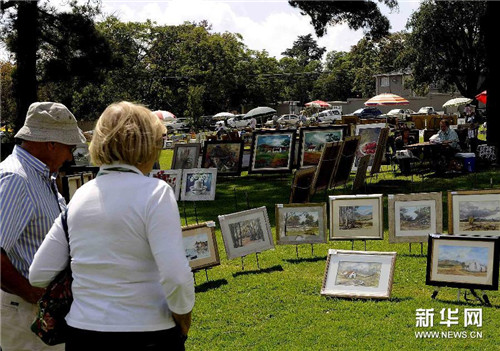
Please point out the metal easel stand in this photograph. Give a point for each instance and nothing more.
(206, 274)
(297, 250)
(483, 299)
(421, 248)
(352, 244)
(243, 262)
(184, 211)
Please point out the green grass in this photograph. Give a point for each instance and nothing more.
(279, 307)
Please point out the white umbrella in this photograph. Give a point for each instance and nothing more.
(222, 115)
(260, 111)
(457, 102)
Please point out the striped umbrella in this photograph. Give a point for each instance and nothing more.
(386, 99)
(318, 103)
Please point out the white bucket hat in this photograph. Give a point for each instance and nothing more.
(50, 121)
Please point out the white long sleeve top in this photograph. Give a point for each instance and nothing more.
(127, 258)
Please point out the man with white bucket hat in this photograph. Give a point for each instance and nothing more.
(29, 205)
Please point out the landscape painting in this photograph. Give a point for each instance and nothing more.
(272, 152)
(415, 218)
(359, 274)
(479, 216)
(246, 232)
(463, 261)
(365, 274)
(313, 141)
(460, 260)
(200, 245)
(355, 217)
(301, 223)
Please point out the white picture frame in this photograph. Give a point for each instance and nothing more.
(173, 177)
(198, 184)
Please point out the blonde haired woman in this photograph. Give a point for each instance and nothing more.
(132, 285)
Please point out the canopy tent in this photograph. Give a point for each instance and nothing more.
(386, 99)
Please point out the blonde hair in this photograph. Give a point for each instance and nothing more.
(127, 133)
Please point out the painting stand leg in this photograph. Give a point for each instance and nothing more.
(421, 249)
(410, 247)
(483, 301)
(434, 293)
(242, 263)
(235, 199)
(194, 277)
(352, 244)
(297, 251)
(206, 274)
(184, 210)
(195, 212)
(365, 244)
(257, 257)
(485, 298)
(312, 249)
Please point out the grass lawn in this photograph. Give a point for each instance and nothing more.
(279, 307)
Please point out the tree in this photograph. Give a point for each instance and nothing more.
(305, 49)
(447, 47)
(357, 14)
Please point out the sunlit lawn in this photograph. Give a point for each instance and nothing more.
(273, 301)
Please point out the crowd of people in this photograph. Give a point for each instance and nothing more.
(132, 284)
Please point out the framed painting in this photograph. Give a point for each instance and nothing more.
(328, 165)
(344, 167)
(198, 184)
(70, 185)
(474, 212)
(301, 223)
(360, 178)
(356, 217)
(246, 232)
(272, 151)
(87, 177)
(359, 274)
(200, 245)
(379, 156)
(301, 185)
(412, 217)
(185, 155)
(369, 134)
(463, 261)
(226, 156)
(314, 139)
(171, 176)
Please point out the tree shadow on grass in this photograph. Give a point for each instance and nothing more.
(272, 269)
(305, 259)
(211, 284)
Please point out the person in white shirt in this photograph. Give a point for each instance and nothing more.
(132, 284)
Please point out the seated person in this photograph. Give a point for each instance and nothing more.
(404, 139)
(447, 136)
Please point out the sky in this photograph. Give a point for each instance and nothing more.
(271, 25)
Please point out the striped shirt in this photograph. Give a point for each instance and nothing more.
(28, 206)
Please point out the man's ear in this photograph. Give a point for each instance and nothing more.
(50, 145)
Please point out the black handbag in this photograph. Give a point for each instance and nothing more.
(49, 324)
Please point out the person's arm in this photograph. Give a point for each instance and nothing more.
(165, 238)
(51, 258)
(183, 321)
(13, 282)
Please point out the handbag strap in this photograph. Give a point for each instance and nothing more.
(64, 221)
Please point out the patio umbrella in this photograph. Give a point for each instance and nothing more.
(318, 103)
(260, 111)
(164, 115)
(386, 99)
(481, 97)
(222, 115)
(457, 102)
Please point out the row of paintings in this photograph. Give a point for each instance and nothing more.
(192, 184)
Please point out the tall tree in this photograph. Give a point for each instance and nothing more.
(447, 47)
(305, 49)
